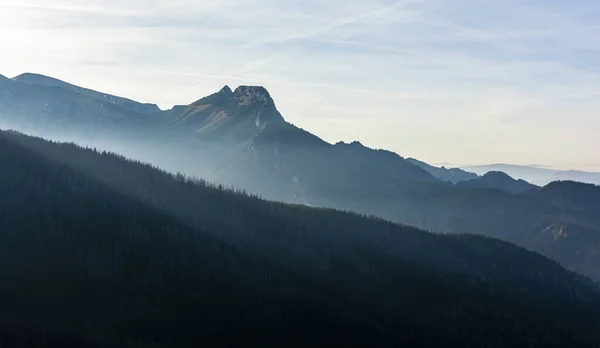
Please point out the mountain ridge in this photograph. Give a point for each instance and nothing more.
(453, 175)
(179, 111)
(538, 175)
(43, 80)
(238, 114)
(499, 180)
(218, 138)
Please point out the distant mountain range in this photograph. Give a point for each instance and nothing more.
(452, 175)
(537, 175)
(238, 138)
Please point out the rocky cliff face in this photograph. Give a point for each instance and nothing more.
(235, 115)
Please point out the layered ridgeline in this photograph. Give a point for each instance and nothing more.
(238, 137)
(539, 175)
(99, 251)
(453, 175)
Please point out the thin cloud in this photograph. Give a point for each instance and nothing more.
(464, 81)
(338, 23)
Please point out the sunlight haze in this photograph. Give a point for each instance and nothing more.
(465, 82)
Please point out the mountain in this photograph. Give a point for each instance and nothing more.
(41, 80)
(47, 106)
(571, 195)
(577, 175)
(238, 138)
(100, 251)
(538, 175)
(303, 169)
(488, 180)
(452, 175)
(3, 81)
(231, 115)
(498, 180)
(217, 137)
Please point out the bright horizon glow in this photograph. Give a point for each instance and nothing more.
(465, 82)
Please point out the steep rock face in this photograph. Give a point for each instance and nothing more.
(234, 115)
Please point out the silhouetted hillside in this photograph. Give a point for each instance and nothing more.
(571, 195)
(100, 251)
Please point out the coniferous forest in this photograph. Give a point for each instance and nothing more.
(100, 251)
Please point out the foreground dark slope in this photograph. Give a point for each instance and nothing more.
(100, 251)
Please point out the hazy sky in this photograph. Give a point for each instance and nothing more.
(459, 81)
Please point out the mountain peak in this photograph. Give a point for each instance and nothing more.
(498, 180)
(236, 114)
(251, 94)
(495, 174)
(226, 90)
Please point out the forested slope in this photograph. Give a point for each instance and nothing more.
(99, 251)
